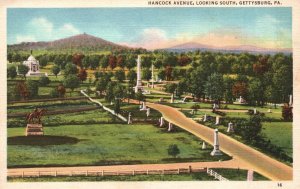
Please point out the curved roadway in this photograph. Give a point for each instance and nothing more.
(258, 161)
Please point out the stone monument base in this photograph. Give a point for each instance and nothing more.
(216, 153)
(34, 129)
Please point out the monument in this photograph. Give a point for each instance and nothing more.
(230, 127)
(205, 118)
(216, 151)
(34, 125)
(291, 100)
(148, 112)
(33, 65)
(217, 120)
(139, 86)
(203, 145)
(144, 107)
(152, 76)
(172, 98)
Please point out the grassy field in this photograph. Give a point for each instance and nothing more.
(280, 134)
(50, 106)
(102, 144)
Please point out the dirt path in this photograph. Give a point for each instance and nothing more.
(258, 161)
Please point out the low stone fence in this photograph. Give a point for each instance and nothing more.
(56, 173)
(104, 107)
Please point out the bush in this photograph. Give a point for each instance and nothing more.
(44, 81)
(173, 150)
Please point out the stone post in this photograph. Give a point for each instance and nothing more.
(170, 127)
(162, 122)
(250, 175)
(129, 118)
(205, 118)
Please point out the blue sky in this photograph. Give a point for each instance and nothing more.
(156, 27)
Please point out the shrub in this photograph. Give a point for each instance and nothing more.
(173, 150)
(44, 81)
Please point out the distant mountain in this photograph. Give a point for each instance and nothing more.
(192, 46)
(77, 42)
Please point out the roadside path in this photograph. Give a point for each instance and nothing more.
(258, 161)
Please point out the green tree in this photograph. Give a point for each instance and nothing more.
(109, 97)
(70, 69)
(23, 70)
(214, 87)
(250, 131)
(104, 62)
(146, 74)
(131, 76)
(44, 81)
(256, 92)
(171, 87)
(139, 96)
(117, 108)
(228, 84)
(120, 75)
(173, 150)
(55, 70)
(72, 82)
(131, 62)
(101, 85)
(33, 88)
(43, 61)
(11, 72)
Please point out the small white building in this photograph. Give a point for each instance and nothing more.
(34, 67)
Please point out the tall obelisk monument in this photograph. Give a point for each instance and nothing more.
(138, 86)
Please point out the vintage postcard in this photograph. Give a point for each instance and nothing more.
(149, 94)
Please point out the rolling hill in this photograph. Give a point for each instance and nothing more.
(77, 42)
(192, 46)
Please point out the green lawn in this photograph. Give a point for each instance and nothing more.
(280, 134)
(49, 105)
(102, 144)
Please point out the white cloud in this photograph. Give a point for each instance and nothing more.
(41, 29)
(25, 38)
(43, 26)
(149, 38)
(68, 29)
